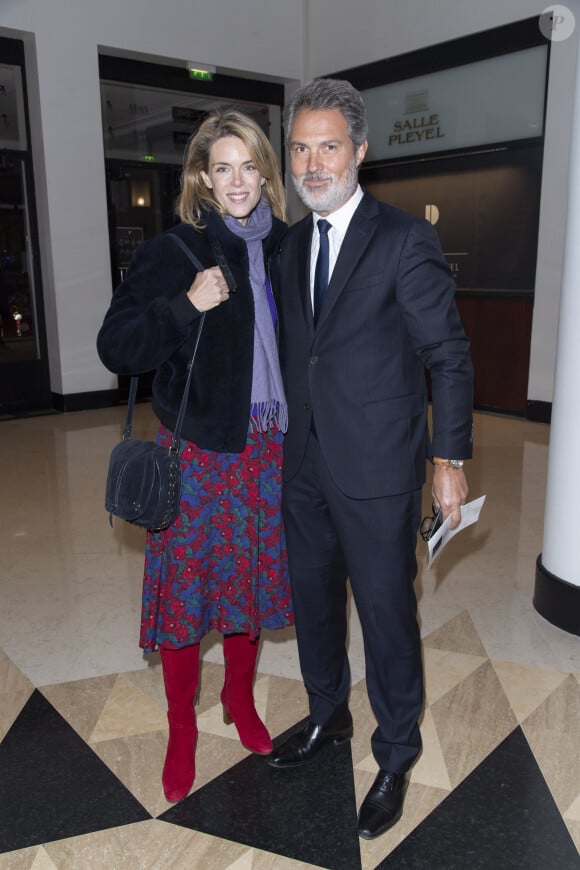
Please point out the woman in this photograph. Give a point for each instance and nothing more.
(222, 564)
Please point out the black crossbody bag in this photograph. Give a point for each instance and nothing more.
(144, 478)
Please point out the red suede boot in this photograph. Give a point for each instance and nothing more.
(180, 675)
(240, 655)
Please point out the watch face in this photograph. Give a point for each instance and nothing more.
(456, 463)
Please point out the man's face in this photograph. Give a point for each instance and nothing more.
(323, 159)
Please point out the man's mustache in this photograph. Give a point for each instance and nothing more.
(316, 176)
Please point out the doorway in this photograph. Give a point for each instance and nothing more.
(24, 377)
(149, 113)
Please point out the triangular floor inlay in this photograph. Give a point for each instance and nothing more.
(471, 721)
(127, 711)
(502, 816)
(307, 813)
(244, 862)
(43, 862)
(526, 688)
(15, 690)
(53, 785)
(457, 635)
(573, 812)
(444, 670)
(430, 768)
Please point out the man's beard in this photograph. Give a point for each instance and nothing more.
(333, 196)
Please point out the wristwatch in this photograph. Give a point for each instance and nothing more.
(448, 463)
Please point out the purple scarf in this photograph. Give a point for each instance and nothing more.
(269, 405)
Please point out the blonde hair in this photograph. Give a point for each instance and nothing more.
(195, 195)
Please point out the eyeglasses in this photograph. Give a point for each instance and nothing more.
(429, 525)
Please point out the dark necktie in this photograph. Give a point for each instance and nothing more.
(321, 273)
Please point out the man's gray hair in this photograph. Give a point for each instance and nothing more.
(330, 94)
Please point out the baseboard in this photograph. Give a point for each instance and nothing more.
(539, 412)
(556, 600)
(85, 401)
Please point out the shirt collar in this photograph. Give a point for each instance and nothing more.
(341, 218)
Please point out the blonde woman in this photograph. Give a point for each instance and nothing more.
(222, 564)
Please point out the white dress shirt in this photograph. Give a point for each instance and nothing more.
(339, 220)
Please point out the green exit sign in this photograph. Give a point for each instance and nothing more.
(202, 75)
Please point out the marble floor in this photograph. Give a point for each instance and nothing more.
(82, 712)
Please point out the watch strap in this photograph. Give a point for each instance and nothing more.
(448, 463)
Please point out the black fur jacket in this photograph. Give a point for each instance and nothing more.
(151, 324)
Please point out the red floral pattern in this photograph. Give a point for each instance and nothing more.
(222, 564)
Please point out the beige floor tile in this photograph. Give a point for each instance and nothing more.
(34, 858)
(430, 768)
(214, 756)
(151, 845)
(553, 733)
(81, 702)
(127, 711)
(364, 724)
(471, 720)
(458, 635)
(573, 811)
(15, 690)
(149, 680)
(445, 669)
(254, 859)
(525, 687)
(244, 862)
(138, 761)
(11, 677)
(210, 685)
(287, 704)
(43, 861)
(368, 764)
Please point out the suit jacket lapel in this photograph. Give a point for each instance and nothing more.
(304, 246)
(358, 237)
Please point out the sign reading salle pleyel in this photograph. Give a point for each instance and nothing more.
(490, 101)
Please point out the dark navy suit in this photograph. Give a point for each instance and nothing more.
(356, 450)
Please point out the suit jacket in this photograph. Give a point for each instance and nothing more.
(388, 313)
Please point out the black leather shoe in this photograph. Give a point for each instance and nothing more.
(303, 746)
(383, 805)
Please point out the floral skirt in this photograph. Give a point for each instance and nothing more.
(222, 564)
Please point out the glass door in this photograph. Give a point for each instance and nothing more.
(145, 131)
(24, 380)
(18, 323)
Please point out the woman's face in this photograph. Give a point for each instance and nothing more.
(233, 177)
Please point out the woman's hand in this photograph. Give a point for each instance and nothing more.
(209, 289)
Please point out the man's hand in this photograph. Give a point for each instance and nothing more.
(449, 492)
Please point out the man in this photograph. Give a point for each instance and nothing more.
(366, 303)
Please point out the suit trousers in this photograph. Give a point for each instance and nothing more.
(330, 538)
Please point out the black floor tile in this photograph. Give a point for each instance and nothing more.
(502, 816)
(52, 785)
(308, 813)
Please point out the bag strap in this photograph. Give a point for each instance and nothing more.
(222, 263)
(174, 447)
(130, 408)
(135, 379)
